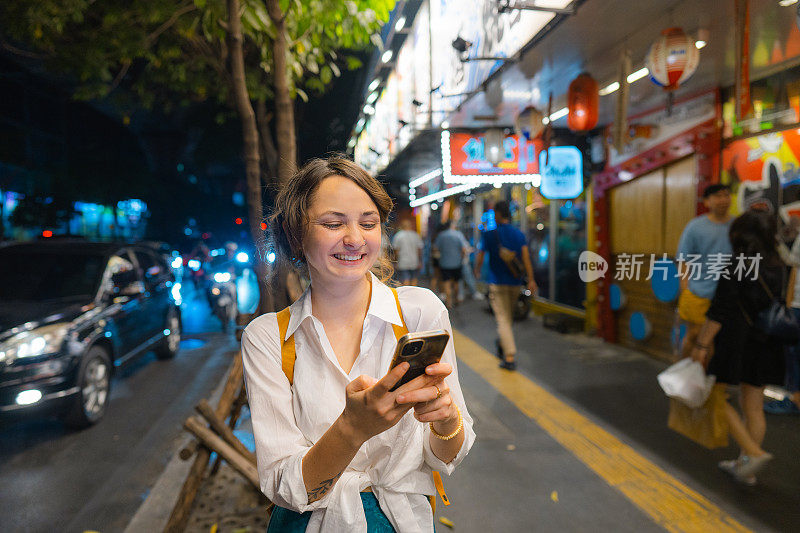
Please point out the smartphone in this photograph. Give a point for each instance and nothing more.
(419, 350)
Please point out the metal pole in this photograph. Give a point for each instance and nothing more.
(551, 252)
(523, 218)
(477, 212)
(430, 66)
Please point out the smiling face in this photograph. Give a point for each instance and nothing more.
(343, 237)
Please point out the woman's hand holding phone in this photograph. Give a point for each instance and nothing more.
(432, 402)
(372, 408)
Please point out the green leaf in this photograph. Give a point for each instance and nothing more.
(302, 94)
(353, 63)
(335, 69)
(326, 74)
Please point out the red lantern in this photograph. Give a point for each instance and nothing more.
(582, 103)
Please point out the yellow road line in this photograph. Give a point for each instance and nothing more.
(663, 498)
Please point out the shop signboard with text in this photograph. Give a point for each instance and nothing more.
(465, 161)
(562, 173)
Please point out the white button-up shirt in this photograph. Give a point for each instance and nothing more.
(288, 420)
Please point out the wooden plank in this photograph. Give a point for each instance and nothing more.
(223, 430)
(681, 200)
(637, 213)
(216, 443)
(180, 513)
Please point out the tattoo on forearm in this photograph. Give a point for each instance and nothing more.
(323, 488)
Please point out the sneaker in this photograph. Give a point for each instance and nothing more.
(748, 466)
(730, 467)
(508, 365)
(781, 407)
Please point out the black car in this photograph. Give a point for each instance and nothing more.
(73, 311)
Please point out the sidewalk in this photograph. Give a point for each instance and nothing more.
(575, 440)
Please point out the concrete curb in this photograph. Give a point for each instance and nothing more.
(154, 512)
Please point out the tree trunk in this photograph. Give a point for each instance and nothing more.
(284, 111)
(267, 144)
(251, 154)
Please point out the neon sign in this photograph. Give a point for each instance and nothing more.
(562, 173)
(464, 160)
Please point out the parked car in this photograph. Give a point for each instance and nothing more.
(71, 312)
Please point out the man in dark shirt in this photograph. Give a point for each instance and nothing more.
(503, 283)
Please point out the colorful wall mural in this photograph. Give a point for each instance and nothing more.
(765, 171)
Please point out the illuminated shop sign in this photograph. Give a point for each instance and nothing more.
(562, 173)
(464, 160)
(431, 187)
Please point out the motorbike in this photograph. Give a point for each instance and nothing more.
(226, 272)
(222, 298)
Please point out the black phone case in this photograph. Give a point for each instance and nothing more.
(431, 353)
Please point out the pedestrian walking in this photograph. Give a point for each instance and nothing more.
(468, 278)
(452, 247)
(744, 355)
(702, 240)
(337, 449)
(408, 246)
(506, 247)
(436, 270)
(791, 404)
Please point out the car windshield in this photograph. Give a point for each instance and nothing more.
(43, 275)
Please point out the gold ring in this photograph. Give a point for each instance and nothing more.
(438, 392)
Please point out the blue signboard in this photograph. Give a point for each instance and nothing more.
(562, 176)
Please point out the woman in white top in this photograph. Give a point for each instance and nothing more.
(336, 450)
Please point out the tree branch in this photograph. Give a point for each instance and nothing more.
(20, 52)
(274, 12)
(121, 74)
(169, 22)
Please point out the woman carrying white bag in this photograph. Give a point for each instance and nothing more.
(687, 381)
(744, 355)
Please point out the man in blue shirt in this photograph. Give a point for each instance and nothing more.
(504, 283)
(702, 241)
(452, 247)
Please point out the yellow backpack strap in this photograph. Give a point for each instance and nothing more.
(288, 354)
(399, 331)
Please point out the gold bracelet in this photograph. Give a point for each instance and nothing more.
(453, 434)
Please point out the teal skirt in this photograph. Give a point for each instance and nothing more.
(286, 521)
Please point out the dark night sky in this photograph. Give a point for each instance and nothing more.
(91, 153)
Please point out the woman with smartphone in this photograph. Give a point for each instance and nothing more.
(340, 448)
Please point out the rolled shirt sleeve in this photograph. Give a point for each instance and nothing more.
(449, 356)
(280, 446)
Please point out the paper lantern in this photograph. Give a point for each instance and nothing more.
(528, 123)
(672, 59)
(582, 102)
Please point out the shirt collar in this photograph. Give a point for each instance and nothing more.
(382, 305)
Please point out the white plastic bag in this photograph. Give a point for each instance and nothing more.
(687, 382)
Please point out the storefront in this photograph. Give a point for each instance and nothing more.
(642, 201)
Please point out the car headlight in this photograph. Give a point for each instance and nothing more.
(242, 257)
(222, 277)
(40, 341)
